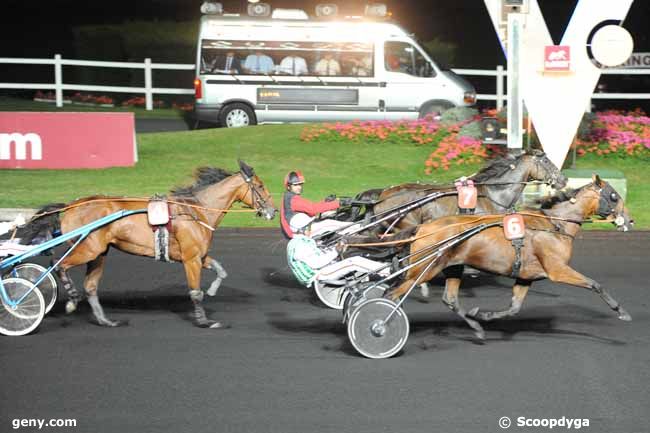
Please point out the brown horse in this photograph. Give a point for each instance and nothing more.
(545, 253)
(196, 211)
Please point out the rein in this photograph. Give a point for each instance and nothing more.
(452, 188)
(137, 200)
(415, 238)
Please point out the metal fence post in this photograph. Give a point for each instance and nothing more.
(147, 84)
(58, 80)
(500, 76)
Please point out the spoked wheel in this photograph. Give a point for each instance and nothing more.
(372, 335)
(329, 295)
(28, 314)
(32, 272)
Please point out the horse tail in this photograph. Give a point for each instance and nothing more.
(43, 225)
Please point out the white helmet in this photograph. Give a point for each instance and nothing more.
(299, 222)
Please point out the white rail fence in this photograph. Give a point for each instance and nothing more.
(499, 74)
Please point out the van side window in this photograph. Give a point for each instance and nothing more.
(220, 61)
(404, 57)
(327, 59)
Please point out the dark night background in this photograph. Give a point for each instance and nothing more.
(40, 28)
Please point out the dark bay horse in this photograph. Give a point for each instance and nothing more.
(546, 251)
(196, 211)
(499, 185)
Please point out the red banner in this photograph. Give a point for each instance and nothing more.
(67, 140)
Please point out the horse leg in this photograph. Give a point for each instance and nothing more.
(71, 291)
(565, 274)
(212, 264)
(94, 271)
(77, 257)
(519, 291)
(451, 300)
(193, 274)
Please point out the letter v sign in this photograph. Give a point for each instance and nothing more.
(556, 102)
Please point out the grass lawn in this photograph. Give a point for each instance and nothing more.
(168, 159)
(17, 104)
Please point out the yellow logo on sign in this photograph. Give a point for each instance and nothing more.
(270, 94)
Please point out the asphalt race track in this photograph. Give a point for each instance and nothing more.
(286, 365)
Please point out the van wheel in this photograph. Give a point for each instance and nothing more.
(236, 116)
(433, 110)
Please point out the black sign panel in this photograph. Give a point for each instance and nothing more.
(270, 95)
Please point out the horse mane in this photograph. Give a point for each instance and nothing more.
(559, 197)
(204, 177)
(495, 168)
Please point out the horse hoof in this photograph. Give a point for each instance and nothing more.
(70, 307)
(110, 323)
(624, 315)
(212, 324)
(473, 313)
(219, 325)
(480, 335)
(118, 323)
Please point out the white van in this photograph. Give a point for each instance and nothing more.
(253, 70)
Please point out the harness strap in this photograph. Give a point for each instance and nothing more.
(516, 265)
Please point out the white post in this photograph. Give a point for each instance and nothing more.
(515, 98)
(147, 84)
(58, 80)
(500, 76)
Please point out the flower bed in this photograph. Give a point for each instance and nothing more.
(140, 101)
(419, 132)
(611, 134)
(617, 134)
(451, 147)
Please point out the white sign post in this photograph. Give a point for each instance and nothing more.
(515, 98)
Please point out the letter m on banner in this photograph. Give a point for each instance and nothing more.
(18, 143)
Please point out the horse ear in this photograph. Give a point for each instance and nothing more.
(246, 169)
(597, 180)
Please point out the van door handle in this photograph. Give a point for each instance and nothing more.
(382, 104)
(382, 84)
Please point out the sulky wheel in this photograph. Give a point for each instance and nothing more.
(360, 295)
(374, 337)
(330, 295)
(32, 272)
(23, 318)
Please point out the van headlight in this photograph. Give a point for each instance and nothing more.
(470, 97)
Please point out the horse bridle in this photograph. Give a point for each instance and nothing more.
(549, 167)
(605, 207)
(259, 202)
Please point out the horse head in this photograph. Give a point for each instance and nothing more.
(611, 206)
(542, 169)
(595, 198)
(257, 196)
